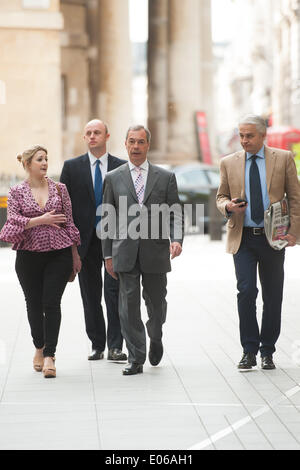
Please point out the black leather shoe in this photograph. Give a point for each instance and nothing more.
(247, 362)
(96, 355)
(155, 352)
(267, 363)
(116, 355)
(133, 368)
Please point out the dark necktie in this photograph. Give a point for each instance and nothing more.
(98, 190)
(256, 199)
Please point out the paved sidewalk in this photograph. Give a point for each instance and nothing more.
(195, 399)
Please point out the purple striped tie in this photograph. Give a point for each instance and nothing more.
(139, 185)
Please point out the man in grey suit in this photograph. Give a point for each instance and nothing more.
(143, 251)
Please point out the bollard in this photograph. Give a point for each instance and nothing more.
(3, 216)
(216, 219)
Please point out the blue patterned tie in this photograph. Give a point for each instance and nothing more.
(98, 189)
(256, 199)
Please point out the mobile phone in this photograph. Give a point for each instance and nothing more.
(242, 202)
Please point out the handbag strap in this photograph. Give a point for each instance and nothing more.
(60, 195)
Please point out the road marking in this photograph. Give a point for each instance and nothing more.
(87, 403)
(242, 422)
(214, 405)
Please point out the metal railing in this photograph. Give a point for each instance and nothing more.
(7, 181)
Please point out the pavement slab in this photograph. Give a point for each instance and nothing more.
(196, 399)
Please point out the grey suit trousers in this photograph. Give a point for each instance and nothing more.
(132, 326)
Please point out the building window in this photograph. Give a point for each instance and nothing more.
(64, 101)
(37, 4)
(2, 92)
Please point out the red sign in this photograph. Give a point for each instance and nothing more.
(282, 137)
(203, 137)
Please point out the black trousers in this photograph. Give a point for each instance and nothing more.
(91, 286)
(154, 294)
(43, 277)
(255, 252)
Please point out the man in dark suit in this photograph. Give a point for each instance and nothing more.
(84, 177)
(139, 188)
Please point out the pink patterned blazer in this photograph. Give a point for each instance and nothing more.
(22, 206)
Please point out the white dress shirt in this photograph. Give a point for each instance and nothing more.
(103, 165)
(144, 167)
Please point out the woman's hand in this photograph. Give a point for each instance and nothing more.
(50, 218)
(77, 264)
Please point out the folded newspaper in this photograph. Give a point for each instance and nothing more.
(277, 222)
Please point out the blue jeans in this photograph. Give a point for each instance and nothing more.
(255, 252)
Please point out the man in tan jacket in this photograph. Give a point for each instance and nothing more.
(251, 180)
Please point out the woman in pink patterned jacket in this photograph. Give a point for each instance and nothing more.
(40, 226)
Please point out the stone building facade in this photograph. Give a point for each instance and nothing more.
(245, 67)
(180, 77)
(64, 62)
(61, 64)
(286, 92)
(30, 76)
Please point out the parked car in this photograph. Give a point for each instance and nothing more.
(194, 182)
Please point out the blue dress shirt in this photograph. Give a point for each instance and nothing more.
(261, 163)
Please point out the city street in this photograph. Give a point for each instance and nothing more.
(195, 399)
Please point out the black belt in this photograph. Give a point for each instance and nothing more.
(255, 230)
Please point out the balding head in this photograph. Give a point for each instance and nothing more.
(95, 122)
(96, 136)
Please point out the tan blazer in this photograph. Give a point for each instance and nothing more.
(282, 179)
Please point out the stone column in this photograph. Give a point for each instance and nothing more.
(190, 75)
(262, 44)
(75, 77)
(282, 85)
(30, 109)
(208, 71)
(295, 65)
(92, 8)
(158, 78)
(282, 75)
(115, 71)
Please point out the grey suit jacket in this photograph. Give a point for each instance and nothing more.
(151, 247)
